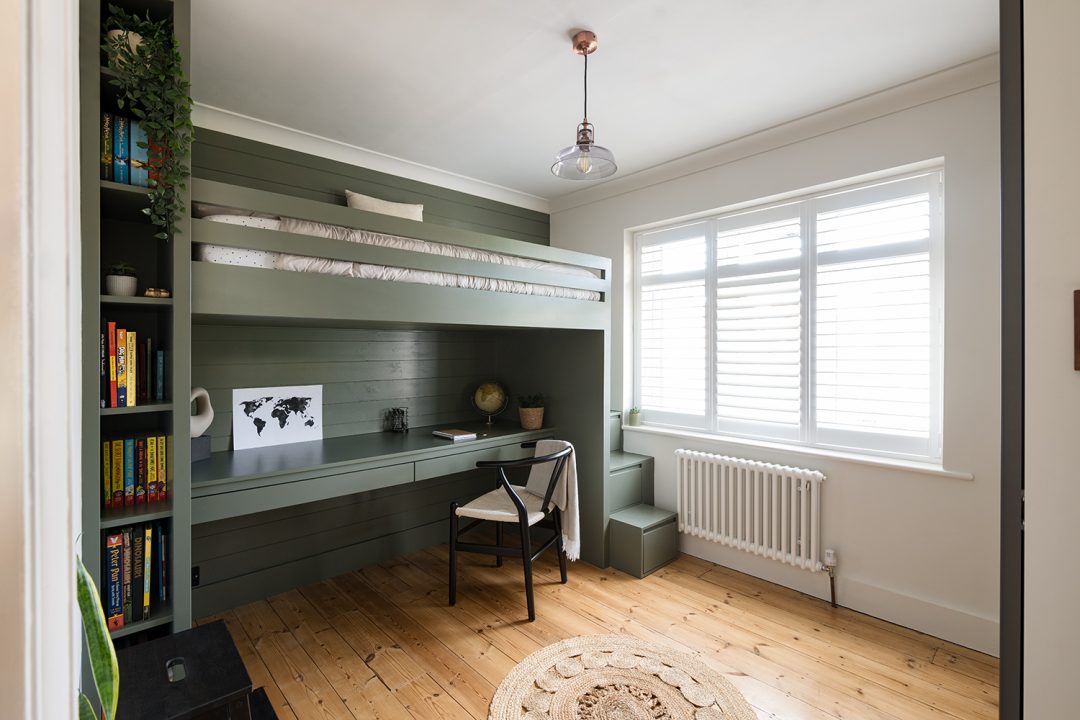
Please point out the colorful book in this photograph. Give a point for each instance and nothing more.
(140, 471)
(148, 555)
(111, 339)
(114, 564)
(163, 563)
(117, 473)
(103, 366)
(162, 473)
(153, 490)
(138, 155)
(159, 376)
(138, 562)
(106, 473)
(121, 367)
(121, 147)
(132, 368)
(127, 575)
(129, 472)
(106, 146)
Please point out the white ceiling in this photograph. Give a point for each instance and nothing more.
(490, 89)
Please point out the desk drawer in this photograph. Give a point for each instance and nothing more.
(467, 460)
(297, 492)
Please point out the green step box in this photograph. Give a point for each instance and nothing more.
(642, 539)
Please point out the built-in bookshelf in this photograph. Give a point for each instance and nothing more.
(115, 229)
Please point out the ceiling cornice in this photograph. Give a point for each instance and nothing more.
(952, 81)
(232, 123)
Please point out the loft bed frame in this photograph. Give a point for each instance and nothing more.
(231, 293)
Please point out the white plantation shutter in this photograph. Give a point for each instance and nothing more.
(671, 366)
(815, 321)
(875, 339)
(758, 339)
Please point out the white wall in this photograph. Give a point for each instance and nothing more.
(1051, 386)
(917, 548)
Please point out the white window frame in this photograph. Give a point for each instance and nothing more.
(806, 205)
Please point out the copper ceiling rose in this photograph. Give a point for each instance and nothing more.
(584, 42)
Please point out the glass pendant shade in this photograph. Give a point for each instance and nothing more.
(584, 160)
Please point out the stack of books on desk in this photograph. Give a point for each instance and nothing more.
(455, 435)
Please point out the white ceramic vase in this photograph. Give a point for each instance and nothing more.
(122, 285)
(204, 413)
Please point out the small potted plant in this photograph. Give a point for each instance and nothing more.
(633, 418)
(531, 411)
(120, 280)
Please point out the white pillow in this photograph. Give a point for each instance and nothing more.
(357, 201)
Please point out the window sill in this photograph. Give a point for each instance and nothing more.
(885, 462)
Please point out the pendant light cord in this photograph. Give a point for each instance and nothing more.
(586, 93)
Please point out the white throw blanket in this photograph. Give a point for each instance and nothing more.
(565, 495)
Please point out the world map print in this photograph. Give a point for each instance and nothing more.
(276, 416)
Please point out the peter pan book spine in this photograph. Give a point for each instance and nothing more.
(106, 146)
(137, 156)
(114, 604)
(121, 145)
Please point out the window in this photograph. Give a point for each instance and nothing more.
(815, 321)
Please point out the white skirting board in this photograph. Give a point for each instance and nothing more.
(956, 626)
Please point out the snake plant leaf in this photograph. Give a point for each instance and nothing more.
(86, 710)
(99, 644)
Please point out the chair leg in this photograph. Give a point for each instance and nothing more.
(559, 546)
(498, 541)
(453, 551)
(526, 560)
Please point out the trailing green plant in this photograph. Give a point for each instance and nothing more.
(122, 269)
(99, 646)
(531, 401)
(154, 89)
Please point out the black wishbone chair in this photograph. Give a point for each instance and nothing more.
(509, 503)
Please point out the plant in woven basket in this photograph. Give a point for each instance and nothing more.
(150, 75)
(531, 411)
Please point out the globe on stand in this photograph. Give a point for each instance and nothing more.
(490, 399)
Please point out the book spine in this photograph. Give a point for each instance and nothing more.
(138, 562)
(114, 605)
(159, 376)
(144, 373)
(153, 490)
(129, 472)
(111, 339)
(106, 146)
(121, 367)
(140, 471)
(148, 555)
(117, 473)
(132, 366)
(138, 157)
(163, 467)
(103, 366)
(127, 575)
(121, 147)
(163, 563)
(106, 474)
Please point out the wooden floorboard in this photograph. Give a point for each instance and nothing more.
(381, 642)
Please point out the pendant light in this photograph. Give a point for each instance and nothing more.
(584, 160)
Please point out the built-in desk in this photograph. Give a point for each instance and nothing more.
(235, 483)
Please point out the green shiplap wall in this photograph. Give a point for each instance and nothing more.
(363, 372)
(240, 161)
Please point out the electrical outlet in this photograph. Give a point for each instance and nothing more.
(195, 576)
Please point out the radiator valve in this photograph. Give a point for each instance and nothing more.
(830, 567)
(830, 558)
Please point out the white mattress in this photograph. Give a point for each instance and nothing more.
(222, 255)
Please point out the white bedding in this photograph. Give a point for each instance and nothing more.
(303, 263)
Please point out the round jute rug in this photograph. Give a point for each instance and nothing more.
(615, 677)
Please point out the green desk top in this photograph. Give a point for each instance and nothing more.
(208, 477)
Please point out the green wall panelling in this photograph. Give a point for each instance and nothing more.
(227, 158)
(254, 556)
(363, 372)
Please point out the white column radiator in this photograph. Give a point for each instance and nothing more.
(770, 510)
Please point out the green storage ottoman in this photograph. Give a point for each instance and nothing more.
(643, 538)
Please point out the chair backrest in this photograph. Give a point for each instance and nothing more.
(546, 471)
